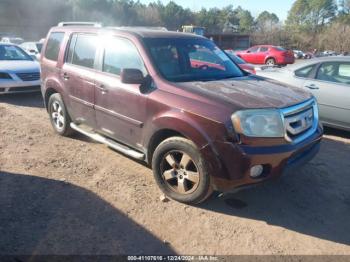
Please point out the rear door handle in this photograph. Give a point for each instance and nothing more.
(102, 88)
(65, 76)
(312, 86)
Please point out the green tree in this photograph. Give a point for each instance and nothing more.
(246, 20)
(266, 21)
(210, 19)
(173, 16)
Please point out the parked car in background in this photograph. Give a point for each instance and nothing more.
(240, 62)
(12, 40)
(328, 79)
(18, 71)
(32, 48)
(329, 53)
(267, 54)
(202, 125)
(298, 54)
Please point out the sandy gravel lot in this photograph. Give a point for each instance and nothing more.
(73, 196)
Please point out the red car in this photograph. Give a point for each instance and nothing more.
(241, 63)
(267, 54)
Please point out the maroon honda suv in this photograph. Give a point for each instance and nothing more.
(153, 95)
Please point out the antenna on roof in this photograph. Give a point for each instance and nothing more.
(93, 24)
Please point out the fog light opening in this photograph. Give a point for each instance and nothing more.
(256, 171)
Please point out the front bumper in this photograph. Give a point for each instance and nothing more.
(235, 161)
(13, 86)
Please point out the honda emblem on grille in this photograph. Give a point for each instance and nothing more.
(299, 123)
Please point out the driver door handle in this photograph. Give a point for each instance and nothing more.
(312, 86)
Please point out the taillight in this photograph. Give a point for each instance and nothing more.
(287, 53)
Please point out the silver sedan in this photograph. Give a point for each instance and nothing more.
(18, 71)
(328, 79)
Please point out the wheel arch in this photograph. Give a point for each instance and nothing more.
(270, 57)
(51, 86)
(176, 125)
(49, 92)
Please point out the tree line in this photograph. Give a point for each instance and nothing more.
(311, 24)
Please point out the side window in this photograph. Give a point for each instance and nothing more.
(53, 45)
(84, 50)
(344, 70)
(121, 53)
(328, 72)
(253, 49)
(263, 49)
(305, 71)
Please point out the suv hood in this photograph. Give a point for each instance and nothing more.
(249, 92)
(19, 66)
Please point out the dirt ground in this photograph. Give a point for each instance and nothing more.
(73, 196)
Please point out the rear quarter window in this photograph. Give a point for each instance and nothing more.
(53, 45)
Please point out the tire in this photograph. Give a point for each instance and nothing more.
(59, 117)
(180, 171)
(270, 62)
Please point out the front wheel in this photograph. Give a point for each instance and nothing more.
(180, 171)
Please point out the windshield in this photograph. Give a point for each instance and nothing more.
(237, 59)
(184, 60)
(11, 52)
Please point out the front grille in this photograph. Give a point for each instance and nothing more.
(24, 89)
(300, 120)
(29, 76)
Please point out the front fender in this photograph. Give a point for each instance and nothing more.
(203, 132)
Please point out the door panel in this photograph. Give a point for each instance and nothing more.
(261, 55)
(80, 86)
(333, 100)
(120, 108)
(78, 73)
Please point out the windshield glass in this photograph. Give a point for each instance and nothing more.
(192, 59)
(11, 52)
(237, 59)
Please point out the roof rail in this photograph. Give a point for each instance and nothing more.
(94, 24)
(158, 28)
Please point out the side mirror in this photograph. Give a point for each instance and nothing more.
(132, 76)
(32, 51)
(248, 51)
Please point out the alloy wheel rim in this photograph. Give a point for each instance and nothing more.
(57, 115)
(179, 172)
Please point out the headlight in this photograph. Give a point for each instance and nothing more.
(259, 123)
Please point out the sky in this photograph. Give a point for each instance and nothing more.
(279, 7)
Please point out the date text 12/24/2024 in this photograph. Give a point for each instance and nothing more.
(172, 258)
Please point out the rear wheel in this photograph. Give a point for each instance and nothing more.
(180, 171)
(270, 62)
(59, 117)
